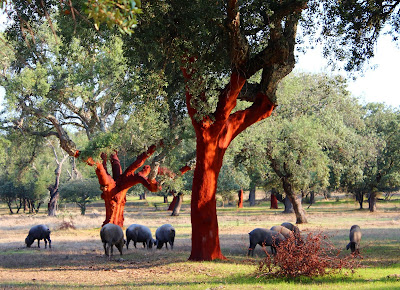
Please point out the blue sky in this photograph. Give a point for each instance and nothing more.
(379, 82)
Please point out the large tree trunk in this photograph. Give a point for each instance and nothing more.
(252, 196)
(205, 233)
(240, 201)
(178, 204)
(212, 139)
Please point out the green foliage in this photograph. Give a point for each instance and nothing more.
(81, 192)
(121, 13)
(102, 143)
(314, 121)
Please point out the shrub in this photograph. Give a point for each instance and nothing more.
(311, 257)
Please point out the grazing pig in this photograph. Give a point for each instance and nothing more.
(355, 239)
(264, 237)
(139, 233)
(291, 227)
(38, 232)
(111, 235)
(165, 234)
(282, 230)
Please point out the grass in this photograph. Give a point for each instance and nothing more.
(77, 260)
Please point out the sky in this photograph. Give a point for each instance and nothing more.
(380, 84)
(377, 84)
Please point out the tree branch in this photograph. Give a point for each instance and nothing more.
(227, 98)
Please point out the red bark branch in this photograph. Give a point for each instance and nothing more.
(139, 161)
(240, 120)
(105, 180)
(103, 157)
(228, 97)
(116, 166)
(185, 169)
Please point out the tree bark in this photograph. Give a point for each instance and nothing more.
(360, 199)
(10, 207)
(212, 139)
(173, 202)
(252, 196)
(240, 201)
(296, 202)
(288, 205)
(178, 204)
(274, 201)
(114, 188)
(53, 189)
(52, 205)
(372, 202)
(165, 199)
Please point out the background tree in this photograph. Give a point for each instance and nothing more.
(70, 84)
(80, 191)
(315, 118)
(374, 160)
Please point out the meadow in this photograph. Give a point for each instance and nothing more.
(76, 259)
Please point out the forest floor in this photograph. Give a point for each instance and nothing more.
(76, 259)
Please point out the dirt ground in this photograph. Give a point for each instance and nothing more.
(77, 259)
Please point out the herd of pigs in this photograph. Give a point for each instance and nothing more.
(112, 235)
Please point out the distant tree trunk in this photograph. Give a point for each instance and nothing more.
(26, 205)
(178, 204)
(360, 199)
(82, 207)
(165, 198)
(372, 202)
(288, 205)
(284, 174)
(274, 200)
(240, 201)
(173, 202)
(52, 205)
(143, 195)
(38, 207)
(252, 196)
(296, 202)
(312, 197)
(9, 202)
(53, 189)
(20, 205)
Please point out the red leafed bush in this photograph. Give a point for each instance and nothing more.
(313, 256)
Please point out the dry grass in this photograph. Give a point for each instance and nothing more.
(77, 258)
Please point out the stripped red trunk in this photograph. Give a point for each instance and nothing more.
(115, 187)
(240, 201)
(274, 201)
(205, 233)
(213, 137)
